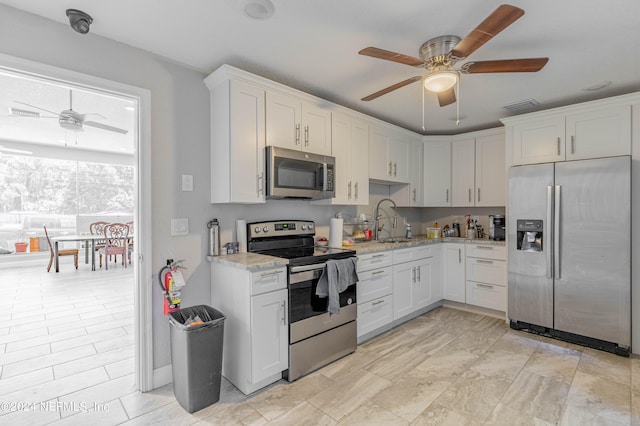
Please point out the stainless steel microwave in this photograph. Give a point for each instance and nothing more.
(299, 174)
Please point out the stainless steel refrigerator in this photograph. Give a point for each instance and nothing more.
(569, 238)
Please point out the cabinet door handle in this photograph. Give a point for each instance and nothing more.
(413, 273)
(419, 268)
(390, 168)
(447, 196)
(469, 194)
(484, 247)
(573, 144)
(349, 190)
(490, 262)
(377, 272)
(395, 168)
(484, 285)
(414, 195)
(266, 274)
(298, 134)
(259, 183)
(478, 194)
(459, 256)
(377, 302)
(306, 135)
(284, 312)
(356, 187)
(558, 145)
(378, 255)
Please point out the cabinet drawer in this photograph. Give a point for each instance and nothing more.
(487, 295)
(268, 280)
(374, 314)
(413, 253)
(374, 284)
(486, 251)
(370, 261)
(487, 271)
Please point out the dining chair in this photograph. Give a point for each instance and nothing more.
(130, 241)
(115, 238)
(65, 252)
(97, 228)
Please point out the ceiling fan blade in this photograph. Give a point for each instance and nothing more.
(392, 88)
(105, 127)
(391, 56)
(500, 19)
(36, 107)
(84, 116)
(447, 97)
(505, 65)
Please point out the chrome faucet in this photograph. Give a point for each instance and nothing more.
(377, 216)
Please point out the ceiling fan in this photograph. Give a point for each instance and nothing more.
(438, 56)
(68, 119)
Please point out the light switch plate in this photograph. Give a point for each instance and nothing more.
(180, 226)
(187, 182)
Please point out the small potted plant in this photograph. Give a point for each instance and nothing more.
(21, 245)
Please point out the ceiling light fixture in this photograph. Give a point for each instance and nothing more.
(440, 81)
(258, 9)
(79, 20)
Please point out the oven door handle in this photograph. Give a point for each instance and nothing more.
(304, 268)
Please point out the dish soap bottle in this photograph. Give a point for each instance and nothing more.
(408, 234)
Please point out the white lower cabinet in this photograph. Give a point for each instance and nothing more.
(375, 288)
(413, 280)
(486, 276)
(454, 272)
(256, 335)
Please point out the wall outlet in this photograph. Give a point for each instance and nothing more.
(187, 183)
(179, 226)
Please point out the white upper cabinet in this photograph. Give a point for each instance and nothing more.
(237, 142)
(463, 177)
(590, 130)
(295, 124)
(490, 171)
(437, 173)
(350, 147)
(389, 152)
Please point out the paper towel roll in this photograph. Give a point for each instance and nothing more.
(335, 232)
(241, 235)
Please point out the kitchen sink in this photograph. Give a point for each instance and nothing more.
(394, 240)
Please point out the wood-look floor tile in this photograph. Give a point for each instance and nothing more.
(431, 342)
(361, 358)
(53, 359)
(601, 397)
(99, 394)
(36, 415)
(232, 414)
(107, 414)
(121, 368)
(171, 414)
(387, 342)
(86, 339)
(90, 361)
(139, 403)
(537, 396)
(25, 354)
(372, 414)
(27, 380)
(304, 413)
(49, 338)
(396, 363)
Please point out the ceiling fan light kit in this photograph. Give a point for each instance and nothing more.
(440, 81)
(438, 56)
(79, 20)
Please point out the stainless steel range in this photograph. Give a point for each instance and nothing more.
(316, 338)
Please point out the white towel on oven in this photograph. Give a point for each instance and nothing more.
(336, 277)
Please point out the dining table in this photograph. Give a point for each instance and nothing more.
(89, 240)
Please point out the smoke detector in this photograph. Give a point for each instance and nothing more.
(258, 9)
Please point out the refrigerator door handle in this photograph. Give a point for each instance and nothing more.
(549, 247)
(556, 234)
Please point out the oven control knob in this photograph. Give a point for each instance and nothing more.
(304, 227)
(257, 230)
(265, 229)
(349, 301)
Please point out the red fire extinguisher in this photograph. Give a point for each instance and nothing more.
(171, 282)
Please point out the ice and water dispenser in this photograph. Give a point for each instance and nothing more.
(529, 233)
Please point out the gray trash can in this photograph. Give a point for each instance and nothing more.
(196, 356)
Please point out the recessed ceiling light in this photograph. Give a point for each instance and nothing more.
(258, 9)
(597, 86)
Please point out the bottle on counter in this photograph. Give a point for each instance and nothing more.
(214, 237)
(408, 233)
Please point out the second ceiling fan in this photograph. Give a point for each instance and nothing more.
(438, 56)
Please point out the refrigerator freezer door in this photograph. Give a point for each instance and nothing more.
(593, 282)
(530, 279)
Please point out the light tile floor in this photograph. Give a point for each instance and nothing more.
(66, 340)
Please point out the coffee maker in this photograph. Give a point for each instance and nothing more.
(497, 226)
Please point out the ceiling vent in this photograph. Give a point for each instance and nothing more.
(521, 106)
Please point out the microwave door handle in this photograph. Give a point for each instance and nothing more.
(325, 176)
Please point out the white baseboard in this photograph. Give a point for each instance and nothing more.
(162, 376)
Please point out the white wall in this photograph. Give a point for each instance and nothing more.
(179, 137)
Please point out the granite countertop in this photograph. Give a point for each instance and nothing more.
(256, 262)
